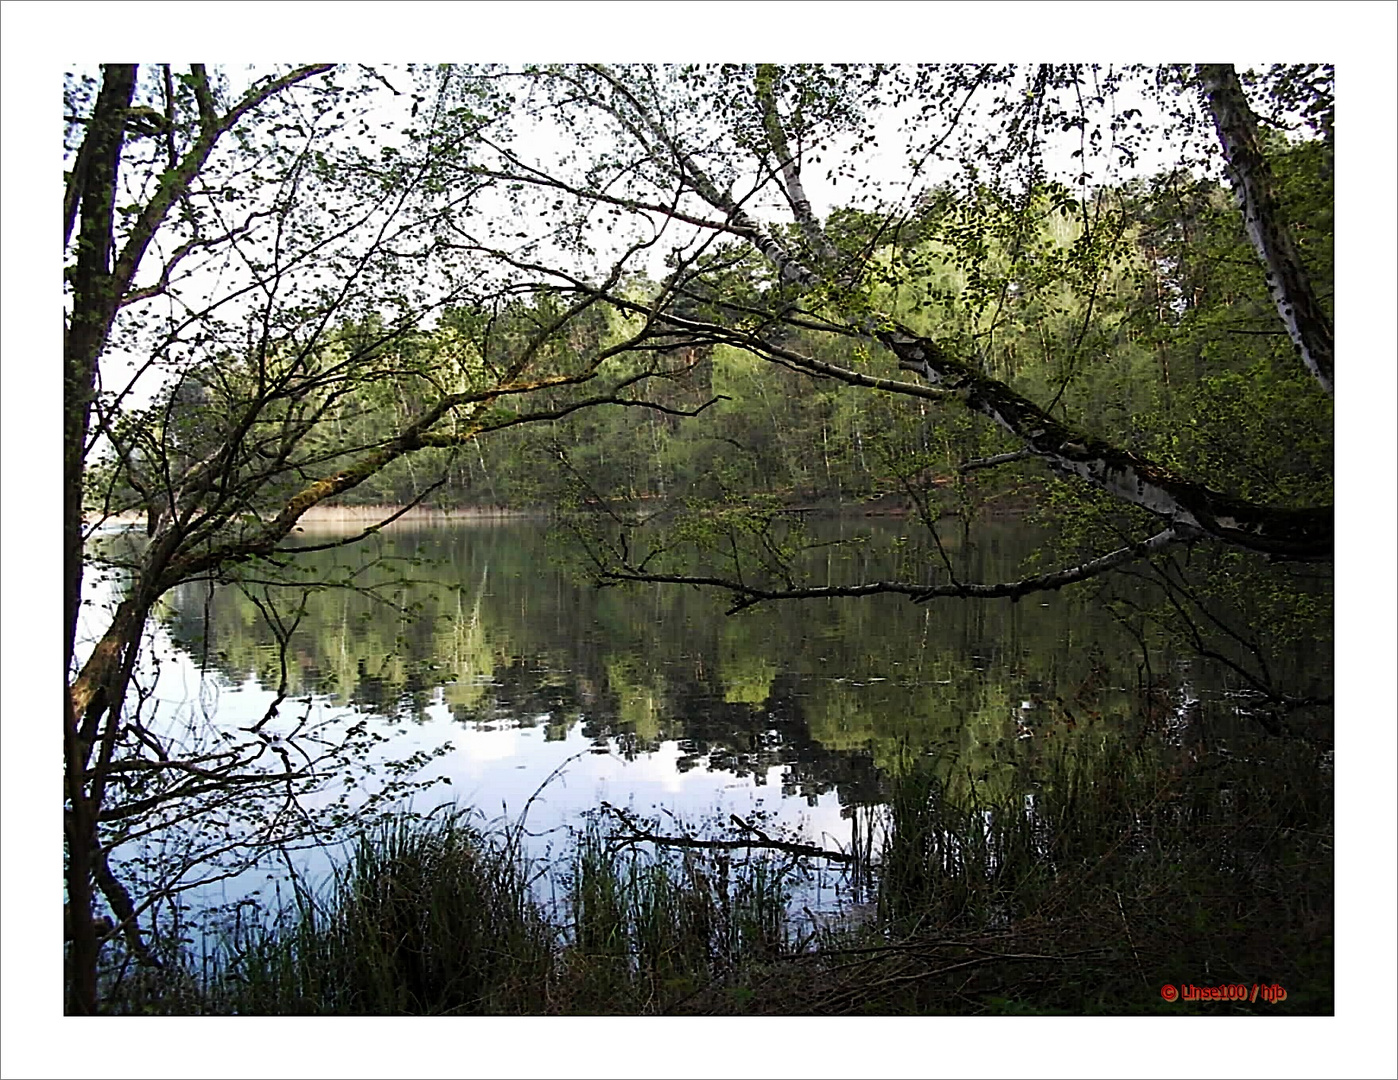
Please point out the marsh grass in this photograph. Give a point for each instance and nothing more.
(427, 916)
(649, 930)
(1083, 892)
(1105, 881)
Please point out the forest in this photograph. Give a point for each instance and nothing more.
(728, 368)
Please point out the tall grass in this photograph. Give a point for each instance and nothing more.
(1109, 879)
(428, 916)
(650, 930)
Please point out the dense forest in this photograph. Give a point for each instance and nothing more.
(689, 320)
(1148, 325)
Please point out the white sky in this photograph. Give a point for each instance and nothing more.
(39, 40)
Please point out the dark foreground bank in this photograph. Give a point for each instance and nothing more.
(1103, 889)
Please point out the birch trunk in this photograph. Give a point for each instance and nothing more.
(1301, 312)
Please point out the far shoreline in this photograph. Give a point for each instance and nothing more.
(333, 517)
(323, 518)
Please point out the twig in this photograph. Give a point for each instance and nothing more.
(640, 835)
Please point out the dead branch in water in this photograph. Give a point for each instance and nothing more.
(636, 834)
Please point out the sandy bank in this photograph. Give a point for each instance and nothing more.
(350, 517)
(326, 518)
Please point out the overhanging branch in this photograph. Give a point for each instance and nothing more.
(1282, 532)
(746, 596)
(1306, 533)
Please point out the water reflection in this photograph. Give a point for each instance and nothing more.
(475, 628)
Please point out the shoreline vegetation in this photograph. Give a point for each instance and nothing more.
(323, 516)
(1121, 876)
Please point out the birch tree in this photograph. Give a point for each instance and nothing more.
(723, 151)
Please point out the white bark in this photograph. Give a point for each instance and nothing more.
(1301, 312)
(741, 222)
(790, 168)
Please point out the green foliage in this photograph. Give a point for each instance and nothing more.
(1140, 314)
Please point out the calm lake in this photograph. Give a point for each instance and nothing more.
(652, 698)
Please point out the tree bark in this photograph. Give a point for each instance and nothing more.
(94, 304)
(1253, 187)
(81, 836)
(790, 168)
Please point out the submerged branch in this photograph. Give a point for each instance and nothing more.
(635, 834)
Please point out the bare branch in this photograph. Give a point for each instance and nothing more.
(995, 459)
(636, 834)
(745, 596)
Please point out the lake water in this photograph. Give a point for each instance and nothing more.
(652, 698)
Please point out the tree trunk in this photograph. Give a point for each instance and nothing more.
(81, 829)
(94, 303)
(1287, 281)
(92, 711)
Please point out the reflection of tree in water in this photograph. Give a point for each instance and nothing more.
(830, 692)
(408, 697)
(523, 689)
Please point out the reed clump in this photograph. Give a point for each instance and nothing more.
(427, 916)
(650, 931)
